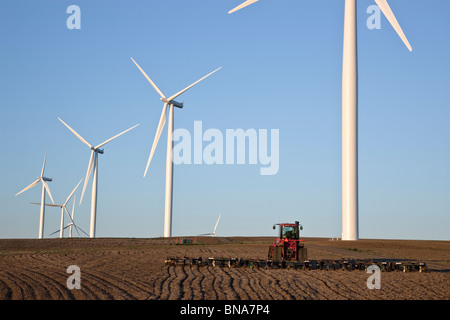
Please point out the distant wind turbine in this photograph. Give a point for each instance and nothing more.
(169, 164)
(64, 210)
(350, 112)
(93, 163)
(214, 232)
(72, 223)
(45, 188)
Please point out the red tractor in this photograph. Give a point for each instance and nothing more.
(288, 246)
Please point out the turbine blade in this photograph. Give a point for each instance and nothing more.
(43, 165)
(187, 88)
(73, 207)
(53, 232)
(149, 80)
(30, 186)
(217, 224)
(48, 190)
(76, 134)
(68, 214)
(78, 228)
(70, 196)
(88, 174)
(386, 9)
(49, 204)
(243, 5)
(117, 135)
(162, 122)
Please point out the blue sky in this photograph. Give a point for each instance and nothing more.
(281, 70)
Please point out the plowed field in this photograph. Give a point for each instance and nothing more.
(134, 269)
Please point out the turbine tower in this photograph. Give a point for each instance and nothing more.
(45, 188)
(350, 112)
(93, 163)
(171, 103)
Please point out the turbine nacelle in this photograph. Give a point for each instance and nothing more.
(101, 151)
(46, 179)
(172, 102)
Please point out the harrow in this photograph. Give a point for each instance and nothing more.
(343, 264)
(289, 252)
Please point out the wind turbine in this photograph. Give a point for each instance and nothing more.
(169, 164)
(93, 163)
(350, 112)
(45, 188)
(214, 232)
(72, 223)
(63, 210)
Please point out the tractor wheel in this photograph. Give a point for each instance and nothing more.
(302, 254)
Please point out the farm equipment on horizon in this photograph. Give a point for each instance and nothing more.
(289, 251)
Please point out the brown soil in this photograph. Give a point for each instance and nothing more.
(126, 269)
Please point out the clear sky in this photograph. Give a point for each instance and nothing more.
(282, 62)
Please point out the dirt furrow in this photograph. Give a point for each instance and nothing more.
(5, 291)
(236, 289)
(208, 286)
(297, 288)
(54, 289)
(158, 284)
(170, 287)
(21, 290)
(108, 286)
(310, 289)
(277, 284)
(228, 284)
(219, 285)
(244, 284)
(196, 293)
(256, 280)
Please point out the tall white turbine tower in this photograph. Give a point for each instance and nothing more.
(93, 163)
(169, 163)
(350, 112)
(45, 188)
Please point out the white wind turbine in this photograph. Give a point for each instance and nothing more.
(169, 164)
(350, 112)
(93, 163)
(45, 188)
(72, 223)
(214, 232)
(64, 210)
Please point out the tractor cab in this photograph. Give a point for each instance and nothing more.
(288, 245)
(289, 230)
